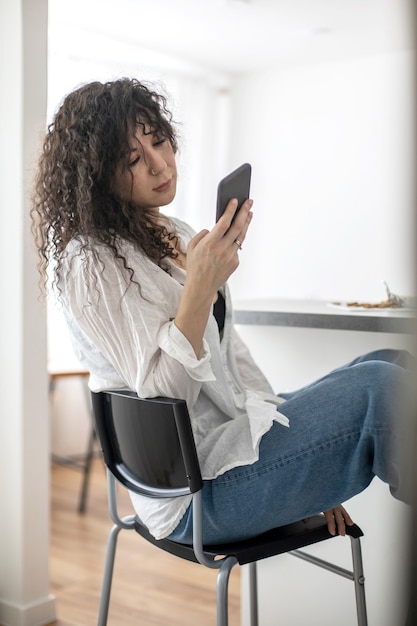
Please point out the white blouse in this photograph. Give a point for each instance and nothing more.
(127, 339)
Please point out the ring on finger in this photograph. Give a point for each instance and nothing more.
(238, 243)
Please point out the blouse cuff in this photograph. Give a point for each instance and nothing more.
(176, 345)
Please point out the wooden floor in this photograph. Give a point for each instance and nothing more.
(150, 587)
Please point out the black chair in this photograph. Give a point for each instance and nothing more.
(148, 447)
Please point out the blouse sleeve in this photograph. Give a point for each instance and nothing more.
(133, 327)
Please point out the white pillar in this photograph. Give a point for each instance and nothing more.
(24, 434)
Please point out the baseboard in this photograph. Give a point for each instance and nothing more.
(38, 613)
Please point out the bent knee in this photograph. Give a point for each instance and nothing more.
(377, 371)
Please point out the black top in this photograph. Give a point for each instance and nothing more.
(219, 311)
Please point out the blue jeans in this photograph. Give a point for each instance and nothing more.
(342, 433)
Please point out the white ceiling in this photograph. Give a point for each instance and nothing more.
(238, 35)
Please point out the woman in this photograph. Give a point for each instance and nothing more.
(148, 308)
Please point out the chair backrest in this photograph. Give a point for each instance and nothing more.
(147, 444)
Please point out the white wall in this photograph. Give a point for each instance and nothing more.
(331, 147)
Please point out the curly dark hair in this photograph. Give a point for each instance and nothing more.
(73, 195)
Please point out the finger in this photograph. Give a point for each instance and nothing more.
(236, 220)
(339, 521)
(225, 221)
(331, 524)
(242, 215)
(240, 225)
(348, 520)
(242, 235)
(246, 225)
(197, 238)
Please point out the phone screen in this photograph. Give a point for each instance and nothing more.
(235, 185)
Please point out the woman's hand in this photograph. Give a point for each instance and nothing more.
(337, 520)
(212, 256)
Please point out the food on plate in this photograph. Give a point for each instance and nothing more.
(385, 304)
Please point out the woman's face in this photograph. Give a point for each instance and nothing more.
(150, 178)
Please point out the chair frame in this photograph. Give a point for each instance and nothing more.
(288, 539)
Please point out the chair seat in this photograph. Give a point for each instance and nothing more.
(276, 541)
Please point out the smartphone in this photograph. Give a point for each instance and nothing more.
(235, 185)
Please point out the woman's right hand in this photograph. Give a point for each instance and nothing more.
(212, 256)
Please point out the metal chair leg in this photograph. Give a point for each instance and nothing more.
(222, 590)
(359, 581)
(86, 471)
(253, 594)
(108, 575)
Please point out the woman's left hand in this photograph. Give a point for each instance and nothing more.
(337, 520)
